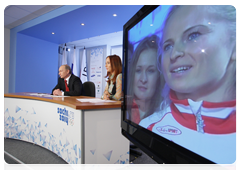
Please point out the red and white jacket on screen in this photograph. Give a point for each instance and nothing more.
(177, 123)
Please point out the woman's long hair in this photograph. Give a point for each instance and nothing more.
(116, 67)
(150, 42)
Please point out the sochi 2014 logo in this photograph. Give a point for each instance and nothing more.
(66, 116)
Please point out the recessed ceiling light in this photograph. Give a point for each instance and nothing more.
(82, 24)
(114, 15)
(151, 25)
(53, 33)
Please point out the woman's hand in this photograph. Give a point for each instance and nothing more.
(106, 96)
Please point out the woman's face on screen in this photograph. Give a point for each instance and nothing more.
(196, 50)
(146, 75)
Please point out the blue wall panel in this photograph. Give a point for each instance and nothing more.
(36, 65)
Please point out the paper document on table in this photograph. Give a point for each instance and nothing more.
(95, 100)
(44, 95)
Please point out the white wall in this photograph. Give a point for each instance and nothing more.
(117, 50)
(6, 58)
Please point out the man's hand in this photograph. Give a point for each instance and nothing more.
(57, 92)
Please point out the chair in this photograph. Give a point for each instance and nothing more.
(89, 88)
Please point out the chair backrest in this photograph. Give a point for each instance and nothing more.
(89, 88)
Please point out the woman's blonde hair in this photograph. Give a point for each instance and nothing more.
(226, 13)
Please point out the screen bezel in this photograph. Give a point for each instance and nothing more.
(158, 148)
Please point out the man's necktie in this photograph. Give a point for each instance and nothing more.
(67, 89)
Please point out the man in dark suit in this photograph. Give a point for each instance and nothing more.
(68, 83)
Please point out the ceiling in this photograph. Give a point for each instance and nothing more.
(15, 15)
(98, 19)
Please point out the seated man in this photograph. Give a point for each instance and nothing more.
(68, 83)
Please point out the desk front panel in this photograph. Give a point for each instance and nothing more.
(104, 143)
(53, 126)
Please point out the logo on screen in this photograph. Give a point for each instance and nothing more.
(170, 130)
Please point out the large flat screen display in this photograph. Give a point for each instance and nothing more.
(179, 83)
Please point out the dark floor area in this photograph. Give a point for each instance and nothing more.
(17, 151)
(28, 153)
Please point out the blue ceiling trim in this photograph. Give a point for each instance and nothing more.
(98, 20)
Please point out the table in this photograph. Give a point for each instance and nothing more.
(78, 132)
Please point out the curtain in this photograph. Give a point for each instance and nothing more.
(83, 72)
(70, 57)
(75, 62)
(103, 73)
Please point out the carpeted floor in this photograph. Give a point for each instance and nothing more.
(17, 151)
(29, 153)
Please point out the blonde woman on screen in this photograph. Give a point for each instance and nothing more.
(198, 61)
